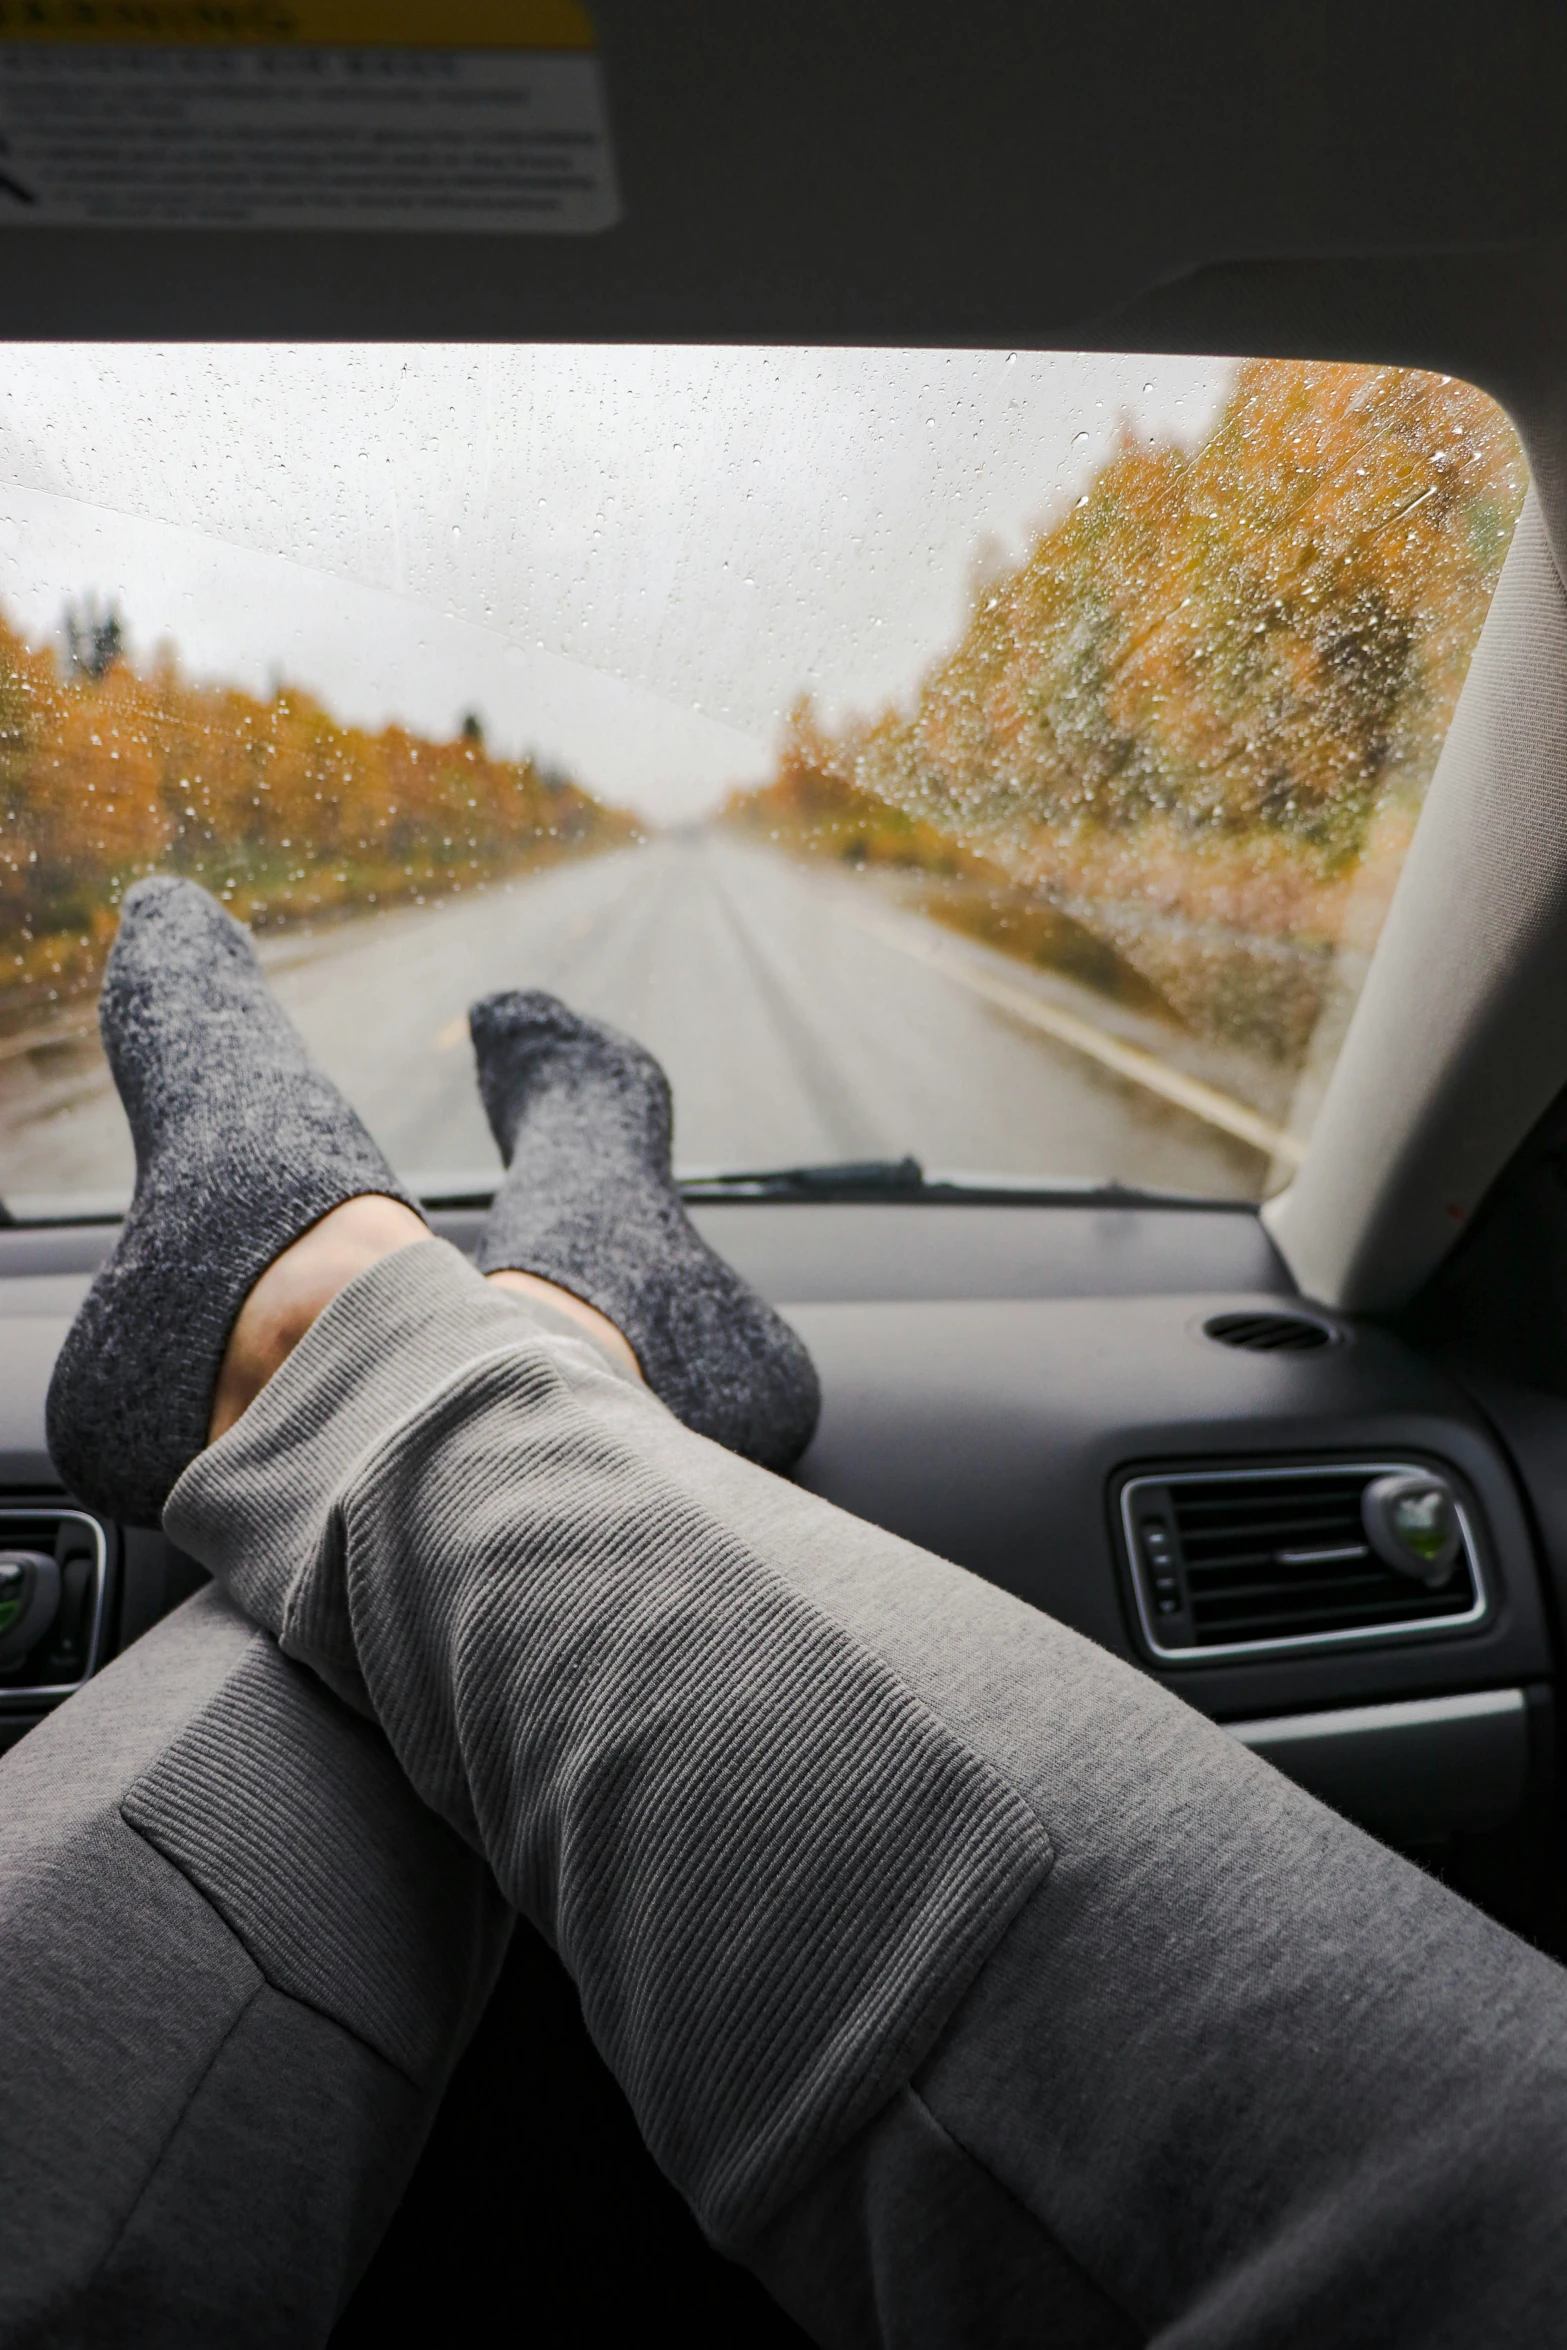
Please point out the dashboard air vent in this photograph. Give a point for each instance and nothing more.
(1232, 1562)
(1269, 1334)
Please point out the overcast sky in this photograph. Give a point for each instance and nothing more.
(629, 561)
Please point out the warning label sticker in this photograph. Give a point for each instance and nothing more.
(463, 114)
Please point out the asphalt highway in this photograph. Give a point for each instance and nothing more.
(802, 1017)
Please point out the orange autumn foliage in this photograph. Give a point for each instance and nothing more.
(1185, 714)
(276, 806)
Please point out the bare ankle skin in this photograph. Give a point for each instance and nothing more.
(299, 1285)
(597, 1325)
(302, 1282)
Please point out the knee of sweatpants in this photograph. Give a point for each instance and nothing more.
(240, 1959)
(265, 2204)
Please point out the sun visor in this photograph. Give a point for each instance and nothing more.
(813, 174)
(471, 116)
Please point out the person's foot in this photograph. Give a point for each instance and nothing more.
(241, 1146)
(583, 1120)
(299, 1285)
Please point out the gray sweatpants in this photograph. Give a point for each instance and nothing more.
(970, 1988)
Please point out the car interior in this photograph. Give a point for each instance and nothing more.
(1294, 1445)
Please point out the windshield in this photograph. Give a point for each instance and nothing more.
(1000, 761)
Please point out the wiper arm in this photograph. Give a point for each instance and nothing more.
(906, 1179)
(838, 1179)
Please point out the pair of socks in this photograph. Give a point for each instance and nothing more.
(242, 1145)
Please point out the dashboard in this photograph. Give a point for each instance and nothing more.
(1120, 1412)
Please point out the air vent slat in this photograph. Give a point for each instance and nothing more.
(1282, 1541)
(1223, 1508)
(1274, 1528)
(1271, 1333)
(1285, 1587)
(1264, 1517)
(1251, 1561)
(1272, 1516)
(1307, 1621)
(1346, 1597)
(1338, 1612)
(1279, 1574)
(1270, 1496)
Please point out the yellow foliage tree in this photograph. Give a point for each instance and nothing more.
(274, 805)
(1189, 701)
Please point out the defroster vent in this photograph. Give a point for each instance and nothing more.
(1239, 1562)
(1271, 1334)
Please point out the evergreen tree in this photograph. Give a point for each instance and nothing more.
(94, 638)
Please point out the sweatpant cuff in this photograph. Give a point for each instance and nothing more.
(256, 1507)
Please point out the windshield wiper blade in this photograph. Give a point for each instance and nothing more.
(838, 1179)
(905, 1179)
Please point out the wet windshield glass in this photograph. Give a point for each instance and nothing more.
(999, 760)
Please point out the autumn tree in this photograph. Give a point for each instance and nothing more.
(107, 773)
(1202, 683)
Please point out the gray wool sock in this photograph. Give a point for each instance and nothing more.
(241, 1145)
(583, 1120)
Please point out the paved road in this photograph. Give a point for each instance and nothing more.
(792, 1024)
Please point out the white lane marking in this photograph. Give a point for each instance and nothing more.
(1156, 1076)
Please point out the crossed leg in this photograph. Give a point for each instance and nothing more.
(968, 1986)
